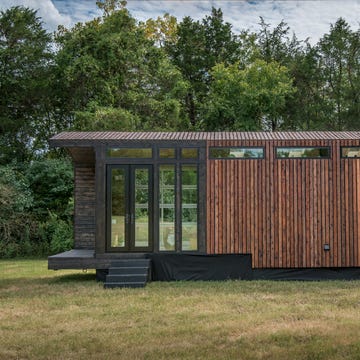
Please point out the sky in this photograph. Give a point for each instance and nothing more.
(307, 18)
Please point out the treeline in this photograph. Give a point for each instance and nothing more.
(115, 73)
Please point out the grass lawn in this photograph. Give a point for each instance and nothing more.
(68, 315)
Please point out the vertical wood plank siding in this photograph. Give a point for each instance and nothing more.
(283, 211)
(84, 217)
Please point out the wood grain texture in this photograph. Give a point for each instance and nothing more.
(84, 208)
(283, 211)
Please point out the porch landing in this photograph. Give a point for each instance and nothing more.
(85, 259)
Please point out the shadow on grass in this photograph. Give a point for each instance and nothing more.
(83, 277)
(66, 279)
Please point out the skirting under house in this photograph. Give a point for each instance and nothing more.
(221, 205)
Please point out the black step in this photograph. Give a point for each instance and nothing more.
(128, 270)
(128, 273)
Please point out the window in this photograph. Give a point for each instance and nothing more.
(165, 153)
(303, 152)
(350, 152)
(189, 153)
(142, 153)
(189, 207)
(167, 207)
(236, 153)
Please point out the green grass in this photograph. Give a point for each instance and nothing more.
(68, 315)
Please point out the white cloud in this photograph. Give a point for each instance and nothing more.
(308, 18)
(46, 10)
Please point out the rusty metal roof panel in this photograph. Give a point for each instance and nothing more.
(193, 136)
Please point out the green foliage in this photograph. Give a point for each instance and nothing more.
(24, 72)
(201, 45)
(35, 208)
(56, 233)
(249, 99)
(340, 68)
(51, 184)
(109, 68)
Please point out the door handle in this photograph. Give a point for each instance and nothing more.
(126, 218)
(132, 218)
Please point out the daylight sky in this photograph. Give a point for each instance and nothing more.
(308, 19)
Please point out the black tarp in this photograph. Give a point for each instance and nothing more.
(168, 267)
(314, 274)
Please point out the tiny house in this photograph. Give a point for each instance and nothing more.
(213, 205)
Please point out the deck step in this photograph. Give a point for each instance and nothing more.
(128, 270)
(128, 273)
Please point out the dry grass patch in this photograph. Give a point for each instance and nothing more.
(68, 315)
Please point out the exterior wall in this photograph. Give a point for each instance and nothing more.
(284, 211)
(84, 218)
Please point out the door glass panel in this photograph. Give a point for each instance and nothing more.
(167, 207)
(141, 207)
(189, 208)
(118, 207)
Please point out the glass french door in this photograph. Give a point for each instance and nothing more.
(129, 208)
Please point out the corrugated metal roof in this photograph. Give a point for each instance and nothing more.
(184, 136)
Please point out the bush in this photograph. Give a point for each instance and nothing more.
(51, 184)
(36, 208)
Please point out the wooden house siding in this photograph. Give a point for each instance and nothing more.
(283, 211)
(84, 216)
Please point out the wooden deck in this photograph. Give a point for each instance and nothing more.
(85, 259)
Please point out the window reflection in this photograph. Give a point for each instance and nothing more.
(167, 207)
(350, 152)
(303, 152)
(189, 207)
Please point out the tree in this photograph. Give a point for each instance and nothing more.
(248, 99)
(276, 44)
(162, 30)
(199, 47)
(109, 67)
(51, 184)
(340, 68)
(25, 56)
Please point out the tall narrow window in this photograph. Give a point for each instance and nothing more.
(141, 190)
(118, 207)
(167, 207)
(189, 207)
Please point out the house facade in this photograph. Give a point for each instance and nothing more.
(281, 200)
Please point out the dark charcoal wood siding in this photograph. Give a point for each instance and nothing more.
(283, 211)
(84, 218)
